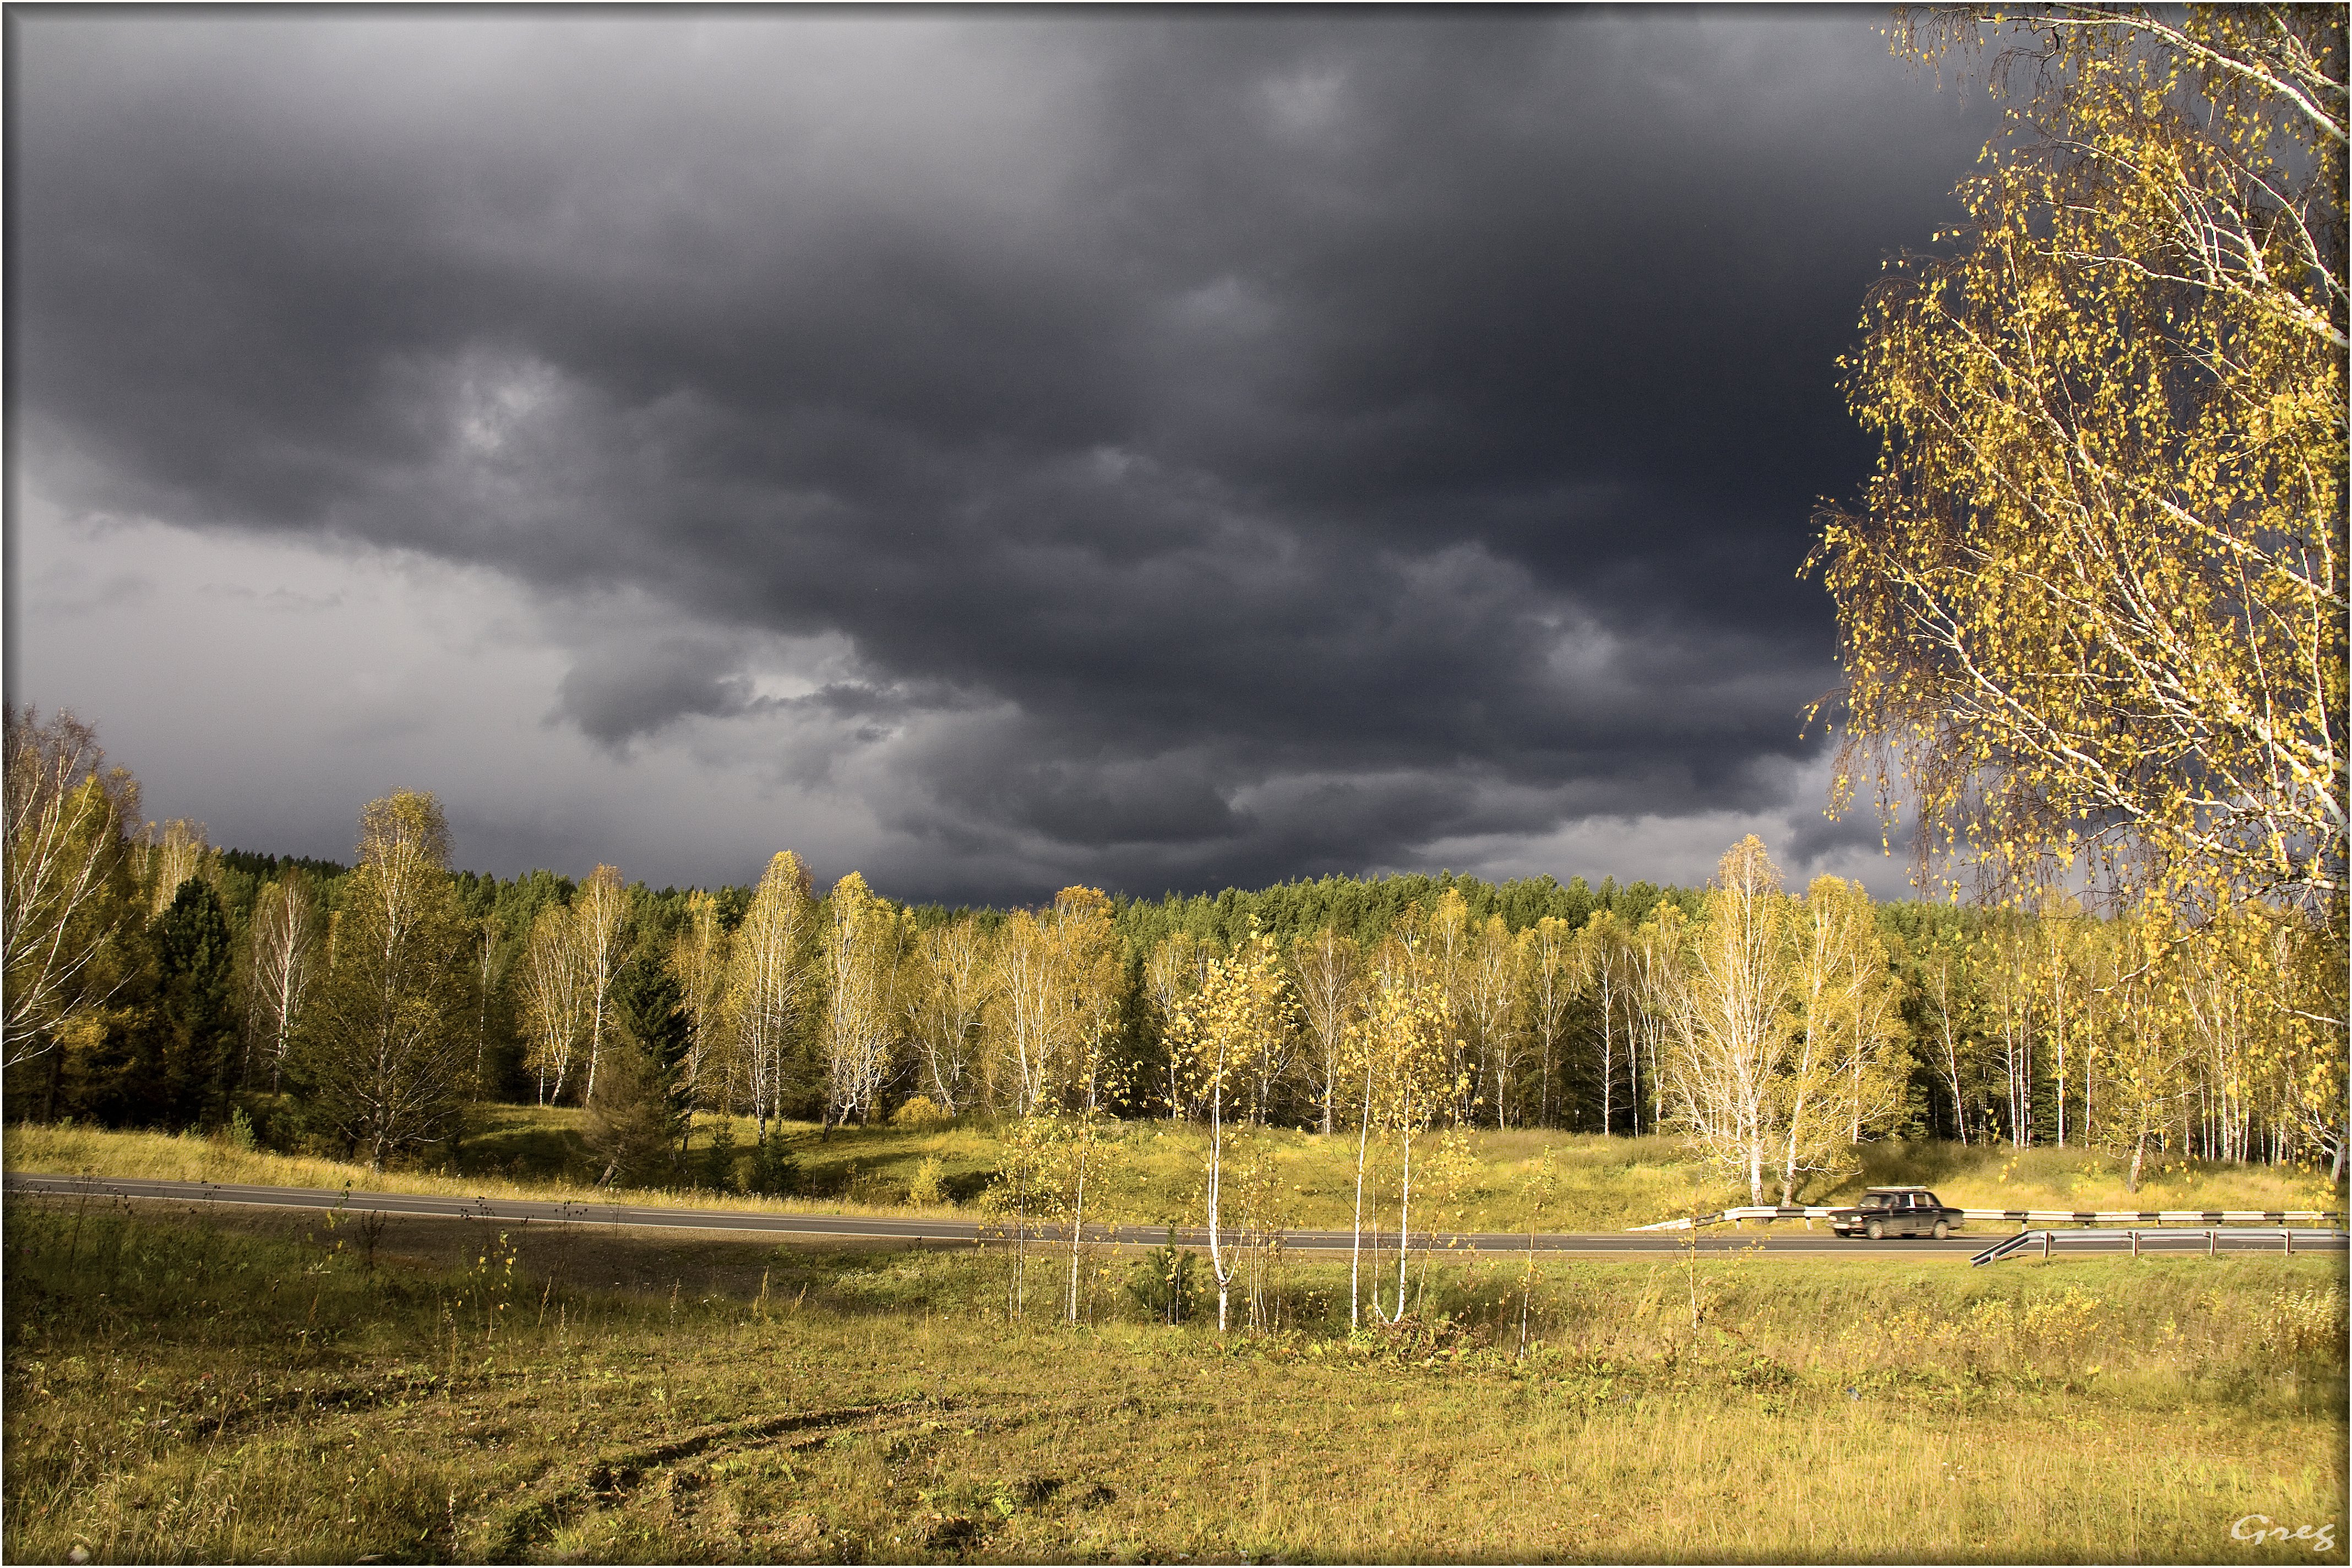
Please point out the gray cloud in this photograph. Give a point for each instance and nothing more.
(1217, 445)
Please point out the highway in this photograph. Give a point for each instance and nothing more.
(1789, 1237)
(819, 1228)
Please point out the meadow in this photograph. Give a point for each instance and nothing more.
(274, 1386)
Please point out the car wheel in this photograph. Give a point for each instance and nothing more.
(1877, 1231)
(1942, 1230)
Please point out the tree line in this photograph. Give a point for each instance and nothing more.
(154, 980)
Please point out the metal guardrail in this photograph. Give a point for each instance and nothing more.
(2032, 1217)
(2049, 1243)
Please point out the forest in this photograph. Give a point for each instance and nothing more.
(157, 981)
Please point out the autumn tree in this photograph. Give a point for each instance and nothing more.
(1447, 943)
(175, 853)
(1944, 987)
(1173, 974)
(69, 877)
(1553, 965)
(554, 997)
(1654, 952)
(281, 962)
(383, 1054)
(1401, 1048)
(1842, 1073)
(697, 960)
(859, 945)
(1243, 1009)
(2093, 603)
(1492, 1008)
(1027, 996)
(1060, 979)
(1727, 1004)
(1420, 1081)
(767, 981)
(947, 998)
(1092, 968)
(601, 923)
(2146, 1049)
(1324, 969)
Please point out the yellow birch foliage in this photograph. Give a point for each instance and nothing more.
(2093, 604)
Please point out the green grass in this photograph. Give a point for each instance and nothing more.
(1155, 1175)
(184, 1390)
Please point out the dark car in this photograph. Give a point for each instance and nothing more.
(1896, 1211)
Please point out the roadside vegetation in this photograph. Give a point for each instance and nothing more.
(273, 1386)
(1151, 1172)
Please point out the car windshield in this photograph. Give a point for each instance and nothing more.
(1877, 1201)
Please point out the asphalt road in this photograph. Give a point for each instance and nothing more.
(860, 1227)
(1786, 1238)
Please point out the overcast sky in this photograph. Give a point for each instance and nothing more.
(990, 449)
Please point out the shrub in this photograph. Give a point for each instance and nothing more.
(767, 1171)
(922, 1111)
(1166, 1283)
(719, 1157)
(924, 1187)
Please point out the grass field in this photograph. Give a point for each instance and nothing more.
(1600, 1184)
(263, 1387)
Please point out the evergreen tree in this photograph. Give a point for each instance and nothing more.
(197, 1043)
(637, 1116)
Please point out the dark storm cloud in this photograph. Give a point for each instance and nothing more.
(1227, 446)
(619, 691)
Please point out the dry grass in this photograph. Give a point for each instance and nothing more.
(179, 1389)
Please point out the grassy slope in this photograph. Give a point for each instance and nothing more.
(180, 1391)
(1603, 1183)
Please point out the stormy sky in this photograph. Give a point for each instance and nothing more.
(987, 448)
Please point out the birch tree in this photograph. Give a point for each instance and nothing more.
(1324, 967)
(859, 947)
(2093, 605)
(1552, 967)
(1728, 1005)
(282, 946)
(554, 997)
(1446, 942)
(1027, 995)
(384, 1051)
(175, 852)
(1602, 970)
(1221, 1033)
(1173, 974)
(601, 921)
(1836, 1079)
(1657, 953)
(1491, 969)
(948, 1001)
(2147, 1047)
(1943, 990)
(1091, 970)
(767, 980)
(1408, 1056)
(698, 962)
(69, 880)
